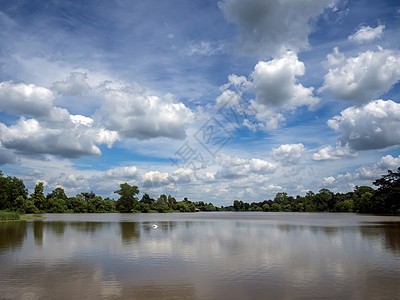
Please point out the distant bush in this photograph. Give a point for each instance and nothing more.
(6, 215)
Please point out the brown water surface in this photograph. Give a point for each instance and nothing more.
(201, 256)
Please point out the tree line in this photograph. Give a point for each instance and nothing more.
(14, 197)
(364, 199)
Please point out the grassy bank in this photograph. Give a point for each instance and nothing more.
(14, 216)
(9, 215)
(25, 218)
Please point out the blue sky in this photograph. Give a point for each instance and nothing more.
(210, 100)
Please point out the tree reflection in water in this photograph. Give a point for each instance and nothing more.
(12, 235)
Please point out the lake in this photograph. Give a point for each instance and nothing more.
(201, 256)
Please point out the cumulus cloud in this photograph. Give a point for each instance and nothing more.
(367, 34)
(50, 130)
(75, 85)
(183, 175)
(275, 83)
(334, 58)
(276, 89)
(26, 99)
(372, 126)
(375, 171)
(156, 178)
(365, 77)
(228, 97)
(135, 114)
(267, 27)
(233, 166)
(289, 154)
(122, 172)
(329, 180)
(389, 162)
(67, 139)
(70, 182)
(330, 153)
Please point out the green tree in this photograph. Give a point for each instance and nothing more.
(209, 207)
(109, 204)
(344, 206)
(10, 189)
(57, 193)
(26, 206)
(127, 201)
(389, 192)
(144, 207)
(77, 204)
(363, 199)
(147, 200)
(56, 205)
(276, 207)
(97, 205)
(38, 198)
(265, 207)
(323, 200)
(239, 205)
(171, 202)
(281, 198)
(182, 206)
(161, 204)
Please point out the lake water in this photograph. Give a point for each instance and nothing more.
(201, 256)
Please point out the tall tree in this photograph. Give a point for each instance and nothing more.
(38, 198)
(127, 201)
(57, 193)
(389, 192)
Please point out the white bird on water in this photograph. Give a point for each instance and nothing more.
(155, 226)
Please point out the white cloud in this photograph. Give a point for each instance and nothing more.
(330, 153)
(104, 136)
(75, 85)
(276, 89)
(275, 83)
(367, 34)
(372, 126)
(274, 187)
(289, 154)
(334, 58)
(123, 172)
(268, 26)
(375, 171)
(137, 115)
(329, 180)
(182, 175)
(228, 97)
(26, 99)
(66, 139)
(52, 130)
(233, 166)
(365, 77)
(156, 178)
(389, 162)
(79, 119)
(239, 82)
(70, 182)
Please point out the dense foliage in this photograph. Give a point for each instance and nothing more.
(364, 199)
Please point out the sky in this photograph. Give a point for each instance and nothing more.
(209, 100)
